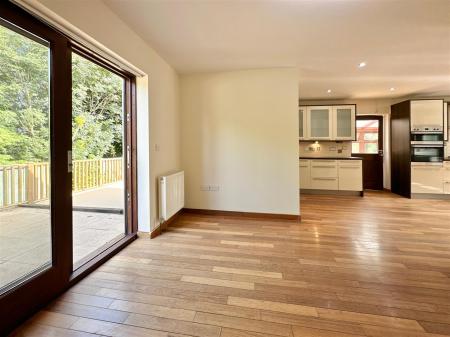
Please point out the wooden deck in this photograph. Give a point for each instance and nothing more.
(25, 231)
(375, 266)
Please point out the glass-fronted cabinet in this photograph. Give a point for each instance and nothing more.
(302, 123)
(344, 122)
(319, 121)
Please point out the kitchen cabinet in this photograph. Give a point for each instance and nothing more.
(350, 175)
(305, 174)
(324, 175)
(319, 122)
(333, 122)
(446, 125)
(446, 174)
(302, 122)
(344, 117)
(447, 187)
(427, 178)
(427, 112)
(331, 175)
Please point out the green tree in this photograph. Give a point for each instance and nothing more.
(96, 110)
(24, 100)
(24, 104)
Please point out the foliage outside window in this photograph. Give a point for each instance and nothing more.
(24, 104)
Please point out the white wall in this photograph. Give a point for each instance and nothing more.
(239, 131)
(158, 108)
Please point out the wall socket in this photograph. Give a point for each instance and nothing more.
(209, 188)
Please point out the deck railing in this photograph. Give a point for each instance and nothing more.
(29, 183)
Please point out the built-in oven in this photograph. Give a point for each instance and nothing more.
(418, 138)
(427, 153)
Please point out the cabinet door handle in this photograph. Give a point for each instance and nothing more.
(324, 166)
(343, 167)
(325, 178)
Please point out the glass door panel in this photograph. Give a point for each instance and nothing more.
(367, 137)
(319, 123)
(344, 122)
(25, 217)
(98, 184)
(301, 124)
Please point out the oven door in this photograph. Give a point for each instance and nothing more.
(427, 137)
(427, 153)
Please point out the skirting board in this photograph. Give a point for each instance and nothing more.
(250, 215)
(332, 192)
(163, 226)
(430, 196)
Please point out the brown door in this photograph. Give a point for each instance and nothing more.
(369, 146)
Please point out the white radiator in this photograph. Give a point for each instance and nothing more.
(171, 195)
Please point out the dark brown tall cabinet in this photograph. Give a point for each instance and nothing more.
(401, 149)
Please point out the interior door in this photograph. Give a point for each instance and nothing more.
(35, 184)
(369, 146)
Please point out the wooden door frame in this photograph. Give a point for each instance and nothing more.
(33, 292)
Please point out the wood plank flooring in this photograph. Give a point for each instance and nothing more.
(376, 266)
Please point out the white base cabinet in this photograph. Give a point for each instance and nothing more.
(427, 179)
(350, 175)
(305, 174)
(324, 175)
(446, 169)
(331, 175)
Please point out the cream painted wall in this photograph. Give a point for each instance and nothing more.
(158, 108)
(239, 132)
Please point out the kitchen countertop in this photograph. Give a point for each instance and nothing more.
(335, 158)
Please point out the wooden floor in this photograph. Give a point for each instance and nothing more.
(374, 266)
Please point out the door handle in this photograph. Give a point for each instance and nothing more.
(381, 153)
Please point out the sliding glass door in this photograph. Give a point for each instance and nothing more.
(25, 147)
(67, 173)
(98, 138)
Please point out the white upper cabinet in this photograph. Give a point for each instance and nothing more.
(427, 112)
(319, 121)
(302, 122)
(327, 122)
(344, 122)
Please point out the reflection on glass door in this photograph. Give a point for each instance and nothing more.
(25, 218)
(98, 178)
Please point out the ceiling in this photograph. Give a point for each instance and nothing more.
(405, 43)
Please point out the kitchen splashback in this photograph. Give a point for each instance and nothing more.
(325, 149)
